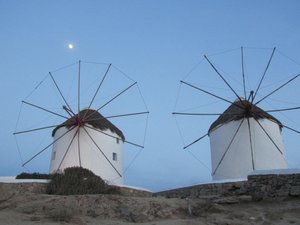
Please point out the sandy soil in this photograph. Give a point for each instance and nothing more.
(29, 208)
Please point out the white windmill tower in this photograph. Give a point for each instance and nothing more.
(243, 138)
(87, 131)
(85, 137)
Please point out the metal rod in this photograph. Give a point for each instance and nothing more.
(223, 78)
(243, 73)
(35, 129)
(117, 96)
(268, 135)
(71, 114)
(134, 144)
(280, 110)
(46, 110)
(60, 92)
(102, 152)
(277, 89)
(99, 86)
(291, 129)
(128, 114)
(206, 92)
(109, 135)
(112, 99)
(251, 96)
(47, 147)
(223, 156)
(68, 148)
(78, 143)
(216, 96)
(78, 86)
(198, 139)
(251, 144)
(115, 116)
(203, 114)
(263, 76)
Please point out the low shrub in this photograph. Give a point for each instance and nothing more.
(77, 181)
(33, 176)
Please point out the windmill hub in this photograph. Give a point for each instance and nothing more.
(239, 110)
(78, 121)
(248, 110)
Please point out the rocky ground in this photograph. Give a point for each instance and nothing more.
(35, 208)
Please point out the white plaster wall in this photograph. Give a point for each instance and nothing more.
(91, 157)
(237, 162)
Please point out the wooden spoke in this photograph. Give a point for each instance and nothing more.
(47, 147)
(251, 144)
(277, 89)
(198, 139)
(35, 129)
(264, 74)
(220, 75)
(102, 152)
(225, 152)
(61, 94)
(68, 148)
(44, 109)
(270, 138)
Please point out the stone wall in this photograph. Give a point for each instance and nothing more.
(132, 192)
(272, 185)
(8, 190)
(19, 188)
(213, 189)
(257, 186)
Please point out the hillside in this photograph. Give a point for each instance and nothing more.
(26, 204)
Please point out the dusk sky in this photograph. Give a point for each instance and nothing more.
(156, 44)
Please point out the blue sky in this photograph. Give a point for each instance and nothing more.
(156, 43)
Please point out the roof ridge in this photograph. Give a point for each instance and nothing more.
(94, 118)
(239, 110)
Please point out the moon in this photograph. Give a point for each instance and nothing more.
(70, 46)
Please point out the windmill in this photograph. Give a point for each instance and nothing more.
(244, 137)
(74, 106)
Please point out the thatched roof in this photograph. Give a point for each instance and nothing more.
(92, 117)
(242, 109)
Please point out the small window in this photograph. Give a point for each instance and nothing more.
(53, 155)
(115, 156)
(117, 140)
